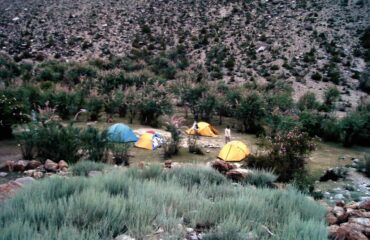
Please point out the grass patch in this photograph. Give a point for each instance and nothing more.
(82, 168)
(137, 202)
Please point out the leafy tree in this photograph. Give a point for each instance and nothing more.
(331, 95)
(250, 112)
(131, 102)
(308, 102)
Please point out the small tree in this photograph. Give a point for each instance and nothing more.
(331, 95)
(250, 111)
(308, 102)
(287, 153)
(131, 101)
(173, 124)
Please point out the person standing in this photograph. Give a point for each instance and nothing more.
(227, 134)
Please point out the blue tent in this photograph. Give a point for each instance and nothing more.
(121, 133)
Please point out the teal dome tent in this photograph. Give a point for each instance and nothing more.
(121, 133)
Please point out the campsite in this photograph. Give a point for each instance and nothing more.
(185, 120)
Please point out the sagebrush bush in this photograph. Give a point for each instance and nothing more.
(261, 178)
(82, 168)
(123, 202)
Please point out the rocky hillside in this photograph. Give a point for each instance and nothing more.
(311, 43)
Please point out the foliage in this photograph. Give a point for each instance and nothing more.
(125, 202)
(171, 146)
(261, 178)
(154, 102)
(286, 153)
(331, 95)
(194, 146)
(94, 106)
(120, 153)
(93, 143)
(12, 111)
(308, 102)
(354, 128)
(250, 111)
(82, 168)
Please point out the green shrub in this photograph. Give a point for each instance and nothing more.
(261, 178)
(308, 102)
(94, 107)
(12, 111)
(94, 143)
(286, 153)
(355, 129)
(331, 95)
(122, 202)
(82, 168)
(121, 153)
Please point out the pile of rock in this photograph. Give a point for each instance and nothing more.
(232, 171)
(36, 169)
(10, 188)
(349, 221)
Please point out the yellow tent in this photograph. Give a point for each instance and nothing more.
(204, 129)
(234, 151)
(149, 141)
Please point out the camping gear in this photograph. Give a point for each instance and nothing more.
(204, 129)
(121, 133)
(149, 141)
(234, 151)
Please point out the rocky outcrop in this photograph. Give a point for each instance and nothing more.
(349, 222)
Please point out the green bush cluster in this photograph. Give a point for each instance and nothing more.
(124, 202)
(57, 142)
(82, 168)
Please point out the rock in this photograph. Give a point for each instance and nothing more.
(343, 218)
(221, 166)
(51, 166)
(332, 230)
(168, 163)
(358, 213)
(38, 174)
(362, 221)
(340, 203)
(349, 232)
(237, 174)
(352, 206)
(20, 165)
(338, 211)
(8, 189)
(124, 237)
(64, 169)
(94, 173)
(62, 164)
(189, 230)
(33, 164)
(15, 19)
(3, 174)
(24, 180)
(331, 219)
(29, 173)
(365, 205)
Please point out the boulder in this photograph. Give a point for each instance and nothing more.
(168, 164)
(331, 219)
(221, 166)
(29, 173)
(3, 174)
(24, 181)
(358, 213)
(237, 174)
(20, 165)
(62, 164)
(365, 205)
(348, 232)
(343, 218)
(38, 174)
(33, 164)
(8, 189)
(338, 211)
(332, 230)
(51, 166)
(361, 221)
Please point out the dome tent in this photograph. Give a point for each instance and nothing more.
(149, 141)
(204, 129)
(234, 151)
(121, 133)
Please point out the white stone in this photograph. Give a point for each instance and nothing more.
(3, 174)
(124, 237)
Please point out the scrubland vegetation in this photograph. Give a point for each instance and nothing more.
(138, 202)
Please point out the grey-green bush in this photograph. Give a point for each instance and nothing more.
(125, 202)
